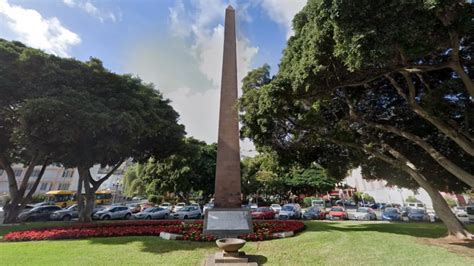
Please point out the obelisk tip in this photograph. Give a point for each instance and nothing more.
(230, 7)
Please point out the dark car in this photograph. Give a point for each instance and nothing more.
(65, 214)
(41, 213)
(314, 213)
(417, 215)
(391, 214)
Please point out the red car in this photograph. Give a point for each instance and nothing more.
(337, 213)
(263, 213)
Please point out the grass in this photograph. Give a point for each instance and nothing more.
(323, 243)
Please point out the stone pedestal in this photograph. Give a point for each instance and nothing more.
(239, 259)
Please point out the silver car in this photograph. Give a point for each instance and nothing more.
(153, 213)
(114, 212)
(188, 212)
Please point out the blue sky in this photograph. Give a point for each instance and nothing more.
(175, 44)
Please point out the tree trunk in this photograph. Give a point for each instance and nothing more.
(455, 134)
(11, 210)
(80, 198)
(86, 214)
(442, 160)
(18, 199)
(455, 227)
(468, 84)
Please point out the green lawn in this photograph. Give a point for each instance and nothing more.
(323, 243)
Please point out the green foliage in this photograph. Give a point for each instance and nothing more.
(411, 199)
(307, 201)
(154, 199)
(38, 198)
(362, 197)
(266, 174)
(192, 169)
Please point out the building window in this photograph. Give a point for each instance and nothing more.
(50, 186)
(18, 172)
(64, 186)
(29, 186)
(68, 173)
(44, 186)
(35, 173)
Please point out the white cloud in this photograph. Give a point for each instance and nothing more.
(30, 27)
(199, 25)
(91, 9)
(283, 11)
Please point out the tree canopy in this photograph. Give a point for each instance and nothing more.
(361, 85)
(80, 114)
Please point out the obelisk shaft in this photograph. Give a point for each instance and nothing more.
(227, 184)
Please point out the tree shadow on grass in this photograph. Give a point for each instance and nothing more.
(436, 230)
(156, 245)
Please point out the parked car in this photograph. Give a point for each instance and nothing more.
(187, 212)
(178, 206)
(41, 213)
(416, 205)
(147, 205)
(337, 213)
(391, 214)
(276, 208)
(65, 214)
(113, 212)
(196, 205)
(461, 214)
(290, 211)
(253, 206)
(153, 213)
(364, 213)
(417, 215)
(317, 203)
(166, 205)
(263, 213)
(43, 203)
(314, 213)
(470, 213)
(134, 207)
(208, 206)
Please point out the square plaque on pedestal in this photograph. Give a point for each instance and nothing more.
(227, 222)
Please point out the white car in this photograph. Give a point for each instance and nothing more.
(364, 213)
(113, 212)
(276, 208)
(187, 212)
(153, 213)
(461, 214)
(166, 205)
(253, 206)
(178, 206)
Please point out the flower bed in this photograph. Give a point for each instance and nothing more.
(190, 230)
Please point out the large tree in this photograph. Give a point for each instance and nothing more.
(80, 114)
(329, 130)
(18, 85)
(191, 169)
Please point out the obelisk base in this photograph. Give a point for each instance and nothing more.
(224, 222)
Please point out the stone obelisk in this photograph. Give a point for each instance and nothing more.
(227, 184)
(227, 218)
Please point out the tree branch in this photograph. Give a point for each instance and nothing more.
(35, 185)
